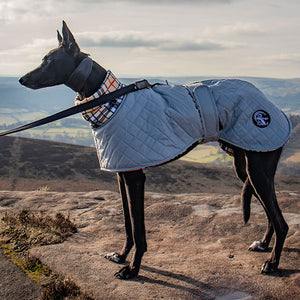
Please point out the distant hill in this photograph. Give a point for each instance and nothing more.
(17, 103)
(290, 160)
(29, 164)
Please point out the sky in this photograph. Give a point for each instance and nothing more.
(134, 38)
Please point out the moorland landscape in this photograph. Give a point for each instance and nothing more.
(196, 235)
(197, 241)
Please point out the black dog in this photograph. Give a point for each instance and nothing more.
(255, 169)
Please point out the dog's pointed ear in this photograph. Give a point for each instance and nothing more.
(59, 38)
(68, 41)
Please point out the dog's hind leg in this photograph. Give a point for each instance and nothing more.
(261, 168)
(263, 245)
(115, 256)
(239, 163)
(135, 187)
(240, 166)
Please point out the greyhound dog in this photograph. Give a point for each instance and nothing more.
(255, 169)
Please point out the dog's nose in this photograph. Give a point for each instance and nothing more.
(24, 79)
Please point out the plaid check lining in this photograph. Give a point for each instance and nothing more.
(100, 114)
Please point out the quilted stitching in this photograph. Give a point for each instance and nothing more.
(152, 126)
(155, 125)
(236, 101)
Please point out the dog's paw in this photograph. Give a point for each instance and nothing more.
(268, 268)
(115, 257)
(257, 246)
(126, 273)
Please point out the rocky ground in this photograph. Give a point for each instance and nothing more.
(197, 246)
(197, 242)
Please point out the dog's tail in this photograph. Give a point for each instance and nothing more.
(247, 193)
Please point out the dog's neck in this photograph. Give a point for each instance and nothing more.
(94, 81)
(87, 77)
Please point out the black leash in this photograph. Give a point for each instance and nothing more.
(138, 85)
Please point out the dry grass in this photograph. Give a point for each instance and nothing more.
(44, 188)
(27, 229)
(19, 232)
(64, 289)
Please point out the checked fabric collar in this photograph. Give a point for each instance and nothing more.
(100, 114)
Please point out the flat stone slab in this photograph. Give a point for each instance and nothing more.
(14, 283)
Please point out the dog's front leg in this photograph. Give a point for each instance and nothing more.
(115, 256)
(135, 189)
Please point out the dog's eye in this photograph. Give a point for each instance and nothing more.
(46, 61)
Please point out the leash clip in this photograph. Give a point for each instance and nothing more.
(142, 84)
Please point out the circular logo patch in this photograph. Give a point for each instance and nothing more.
(261, 118)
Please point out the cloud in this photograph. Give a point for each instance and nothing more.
(192, 46)
(147, 2)
(242, 28)
(236, 30)
(20, 10)
(116, 39)
(142, 40)
(293, 58)
(33, 51)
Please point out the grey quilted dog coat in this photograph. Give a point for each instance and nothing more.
(153, 126)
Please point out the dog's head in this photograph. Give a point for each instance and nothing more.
(57, 65)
